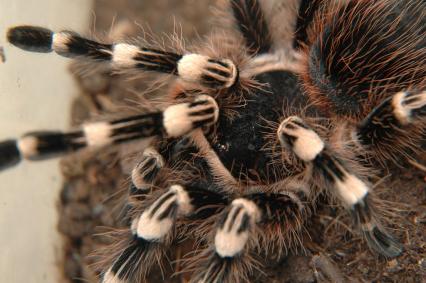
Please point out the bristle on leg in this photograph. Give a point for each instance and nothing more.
(307, 145)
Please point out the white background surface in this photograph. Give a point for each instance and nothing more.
(35, 93)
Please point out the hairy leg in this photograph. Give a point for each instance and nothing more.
(329, 171)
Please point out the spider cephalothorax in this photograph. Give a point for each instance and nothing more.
(253, 128)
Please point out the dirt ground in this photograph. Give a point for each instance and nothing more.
(96, 182)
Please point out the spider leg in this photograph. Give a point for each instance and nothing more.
(227, 260)
(148, 230)
(394, 121)
(252, 24)
(144, 173)
(353, 192)
(307, 10)
(142, 181)
(193, 68)
(233, 231)
(248, 226)
(175, 121)
(152, 231)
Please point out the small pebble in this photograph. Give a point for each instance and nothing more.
(393, 266)
(422, 263)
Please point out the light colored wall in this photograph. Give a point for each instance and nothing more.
(35, 93)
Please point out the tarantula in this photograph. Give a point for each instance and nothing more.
(254, 127)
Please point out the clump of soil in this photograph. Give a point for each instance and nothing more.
(95, 183)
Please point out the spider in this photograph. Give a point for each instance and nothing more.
(255, 126)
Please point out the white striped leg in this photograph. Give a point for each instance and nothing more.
(401, 109)
(228, 260)
(249, 226)
(391, 120)
(294, 134)
(142, 180)
(153, 229)
(177, 120)
(144, 173)
(253, 210)
(233, 231)
(194, 68)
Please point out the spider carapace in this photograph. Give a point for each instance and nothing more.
(283, 104)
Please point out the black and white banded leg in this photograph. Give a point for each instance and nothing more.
(246, 228)
(142, 180)
(175, 121)
(227, 260)
(396, 119)
(153, 230)
(214, 73)
(353, 192)
(144, 173)
(233, 231)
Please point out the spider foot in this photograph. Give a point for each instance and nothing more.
(377, 238)
(382, 242)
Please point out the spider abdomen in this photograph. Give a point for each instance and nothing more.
(363, 52)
